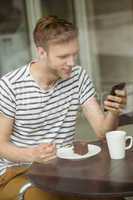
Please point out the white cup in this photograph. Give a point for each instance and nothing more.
(116, 141)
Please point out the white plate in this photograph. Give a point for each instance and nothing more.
(67, 152)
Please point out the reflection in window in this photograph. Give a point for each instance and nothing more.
(14, 41)
(10, 17)
(113, 28)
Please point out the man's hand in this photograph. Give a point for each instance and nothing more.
(43, 153)
(117, 102)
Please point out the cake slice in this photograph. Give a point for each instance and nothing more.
(80, 147)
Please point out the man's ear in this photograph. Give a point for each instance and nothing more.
(41, 52)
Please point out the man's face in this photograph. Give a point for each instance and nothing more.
(61, 58)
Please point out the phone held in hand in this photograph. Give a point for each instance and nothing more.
(119, 86)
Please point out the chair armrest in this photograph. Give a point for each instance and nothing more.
(23, 189)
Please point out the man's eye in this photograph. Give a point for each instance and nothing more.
(62, 57)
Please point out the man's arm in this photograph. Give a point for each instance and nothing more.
(8, 150)
(100, 122)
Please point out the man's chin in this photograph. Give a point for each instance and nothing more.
(65, 76)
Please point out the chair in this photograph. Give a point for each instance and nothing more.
(23, 190)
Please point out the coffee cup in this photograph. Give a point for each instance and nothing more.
(117, 143)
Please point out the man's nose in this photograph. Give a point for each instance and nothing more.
(71, 61)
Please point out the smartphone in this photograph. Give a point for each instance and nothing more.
(119, 86)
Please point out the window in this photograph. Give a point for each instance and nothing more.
(14, 41)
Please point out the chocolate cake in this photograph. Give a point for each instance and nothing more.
(80, 148)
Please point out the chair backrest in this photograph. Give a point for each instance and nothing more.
(125, 119)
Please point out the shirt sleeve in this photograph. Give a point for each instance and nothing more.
(86, 88)
(7, 99)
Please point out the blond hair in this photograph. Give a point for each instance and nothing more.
(53, 29)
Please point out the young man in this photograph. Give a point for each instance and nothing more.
(39, 104)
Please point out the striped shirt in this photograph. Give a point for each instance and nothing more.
(42, 115)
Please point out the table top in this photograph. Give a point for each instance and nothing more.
(96, 176)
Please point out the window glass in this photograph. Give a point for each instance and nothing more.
(112, 24)
(60, 8)
(14, 41)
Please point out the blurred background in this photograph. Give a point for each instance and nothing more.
(105, 37)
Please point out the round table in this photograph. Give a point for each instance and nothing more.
(96, 176)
